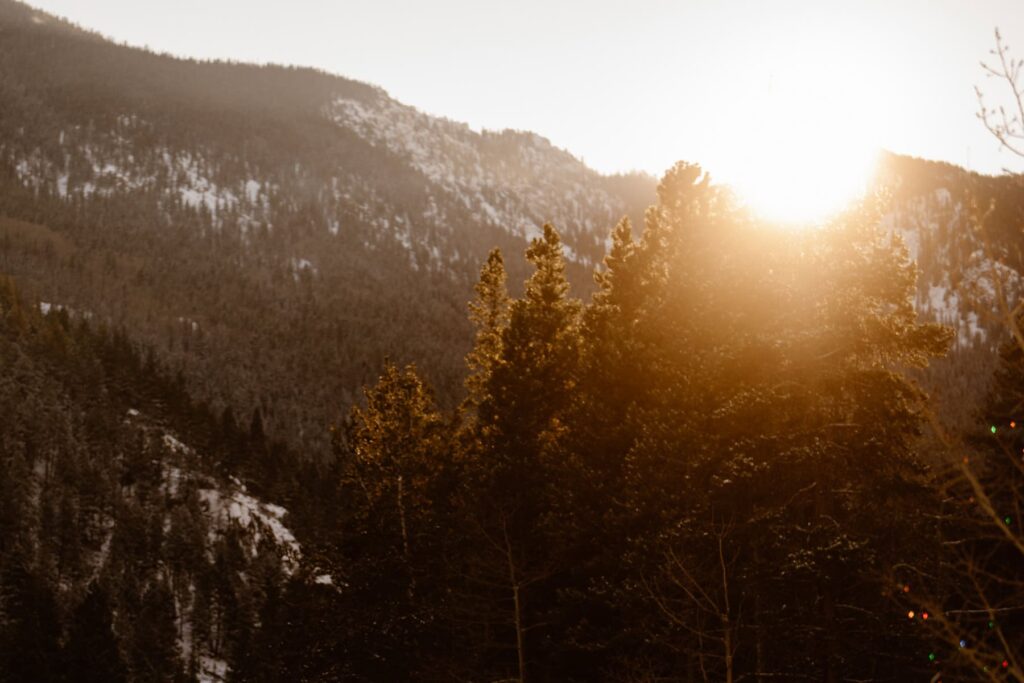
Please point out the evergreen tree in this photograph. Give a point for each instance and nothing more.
(519, 471)
(532, 382)
(397, 481)
(30, 629)
(489, 313)
(795, 457)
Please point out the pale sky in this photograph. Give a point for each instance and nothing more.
(631, 84)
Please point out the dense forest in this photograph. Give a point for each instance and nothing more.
(711, 470)
(251, 431)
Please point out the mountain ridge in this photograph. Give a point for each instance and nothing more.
(304, 248)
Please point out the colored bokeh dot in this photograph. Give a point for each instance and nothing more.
(1007, 519)
(931, 656)
(924, 615)
(991, 624)
(1006, 664)
(906, 588)
(963, 643)
(910, 614)
(993, 428)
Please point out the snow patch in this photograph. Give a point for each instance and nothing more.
(175, 445)
(212, 670)
(511, 180)
(260, 520)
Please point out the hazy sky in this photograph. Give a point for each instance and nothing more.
(631, 84)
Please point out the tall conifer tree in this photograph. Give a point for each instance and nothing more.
(489, 312)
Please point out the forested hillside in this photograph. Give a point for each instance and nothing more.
(273, 232)
(127, 551)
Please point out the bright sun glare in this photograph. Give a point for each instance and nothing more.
(803, 157)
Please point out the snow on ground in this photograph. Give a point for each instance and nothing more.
(252, 190)
(212, 670)
(515, 181)
(300, 264)
(936, 233)
(175, 445)
(260, 520)
(46, 307)
(113, 169)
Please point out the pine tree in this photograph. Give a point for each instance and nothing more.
(520, 417)
(531, 383)
(29, 624)
(397, 445)
(748, 391)
(805, 449)
(489, 312)
(397, 482)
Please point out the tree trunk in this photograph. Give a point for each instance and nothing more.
(728, 645)
(727, 626)
(405, 537)
(831, 637)
(517, 606)
(759, 646)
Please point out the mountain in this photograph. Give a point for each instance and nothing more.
(964, 232)
(275, 232)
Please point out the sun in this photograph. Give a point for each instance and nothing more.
(802, 158)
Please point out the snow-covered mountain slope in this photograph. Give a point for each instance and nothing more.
(963, 280)
(964, 233)
(512, 180)
(248, 148)
(305, 225)
(509, 181)
(210, 526)
(969, 263)
(227, 507)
